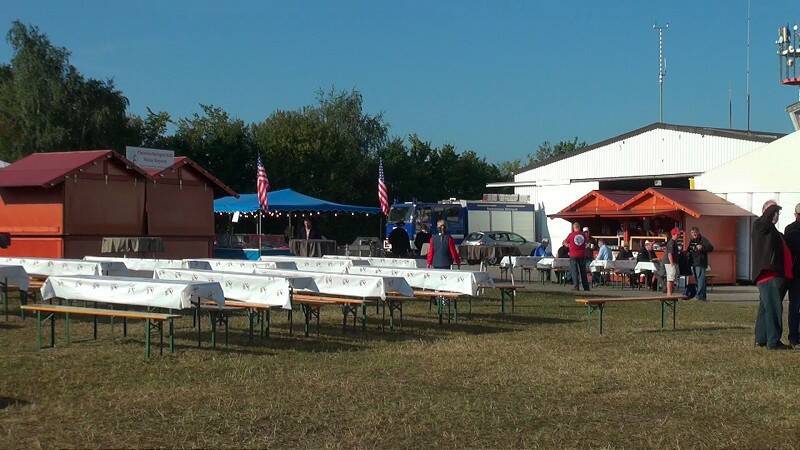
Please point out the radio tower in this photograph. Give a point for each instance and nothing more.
(662, 68)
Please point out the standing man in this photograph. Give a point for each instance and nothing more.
(792, 235)
(422, 237)
(771, 269)
(399, 240)
(670, 259)
(576, 241)
(699, 248)
(308, 231)
(442, 251)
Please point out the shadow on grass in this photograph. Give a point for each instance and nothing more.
(7, 402)
(698, 329)
(11, 325)
(522, 320)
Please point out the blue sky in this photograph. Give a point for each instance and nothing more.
(496, 77)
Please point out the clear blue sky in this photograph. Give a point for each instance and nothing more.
(497, 77)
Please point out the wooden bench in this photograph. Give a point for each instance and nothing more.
(312, 304)
(507, 291)
(153, 320)
(442, 298)
(599, 303)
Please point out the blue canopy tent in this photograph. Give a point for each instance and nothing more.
(285, 200)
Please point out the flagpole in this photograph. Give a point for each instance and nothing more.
(259, 234)
(380, 234)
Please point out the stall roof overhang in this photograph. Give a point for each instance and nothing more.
(663, 202)
(220, 188)
(285, 200)
(49, 169)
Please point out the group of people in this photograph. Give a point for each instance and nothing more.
(442, 251)
(776, 271)
(676, 261)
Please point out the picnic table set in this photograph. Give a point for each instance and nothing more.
(221, 287)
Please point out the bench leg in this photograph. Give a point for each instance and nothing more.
(53, 330)
(251, 316)
(124, 327)
(171, 337)
(513, 299)
(38, 330)
(198, 323)
(147, 338)
(95, 327)
(161, 337)
(268, 319)
(5, 297)
(673, 305)
(213, 316)
(363, 317)
(439, 308)
(502, 301)
(590, 311)
(290, 322)
(23, 300)
(66, 327)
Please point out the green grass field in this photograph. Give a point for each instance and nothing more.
(538, 378)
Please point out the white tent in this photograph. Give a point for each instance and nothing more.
(766, 173)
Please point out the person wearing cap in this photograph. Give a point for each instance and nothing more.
(542, 250)
(699, 248)
(442, 252)
(771, 269)
(792, 235)
(670, 259)
(576, 241)
(399, 240)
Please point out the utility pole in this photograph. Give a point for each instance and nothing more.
(748, 65)
(662, 68)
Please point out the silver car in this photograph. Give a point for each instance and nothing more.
(500, 238)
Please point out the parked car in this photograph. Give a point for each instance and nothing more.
(500, 238)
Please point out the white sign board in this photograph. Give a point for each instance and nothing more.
(150, 158)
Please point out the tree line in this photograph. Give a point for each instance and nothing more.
(329, 149)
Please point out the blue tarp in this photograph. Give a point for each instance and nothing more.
(285, 200)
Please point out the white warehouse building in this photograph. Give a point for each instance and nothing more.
(659, 154)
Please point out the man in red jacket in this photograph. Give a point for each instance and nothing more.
(442, 251)
(576, 241)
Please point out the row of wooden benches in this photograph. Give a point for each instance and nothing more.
(310, 305)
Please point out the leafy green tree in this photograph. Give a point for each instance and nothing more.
(46, 104)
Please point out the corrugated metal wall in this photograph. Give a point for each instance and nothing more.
(656, 152)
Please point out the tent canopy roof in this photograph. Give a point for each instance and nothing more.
(285, 200)
(49, 169)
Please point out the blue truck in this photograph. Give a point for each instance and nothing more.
(494, 213)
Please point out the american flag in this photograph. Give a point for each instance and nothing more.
(262, 186)
(383, 193)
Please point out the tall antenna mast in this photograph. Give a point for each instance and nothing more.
(662, 68)
(730, 105)
(748, 65)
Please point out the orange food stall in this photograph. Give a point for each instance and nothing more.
(62, 204)
(180, 208)
(650, 214)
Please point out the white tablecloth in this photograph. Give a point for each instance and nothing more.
(553, 263)
(409, 263)
(250, 288)
(647, 265)
(351, 285)
(45, 267)
(14, 276)
(520, 261)
(326, 265)
(465, 282)
(132, 291)
(236, 265)
(140, 264)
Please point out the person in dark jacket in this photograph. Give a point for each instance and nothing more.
(563, 251)
(308, 231)
(647, 254)
(792, 235)
(422, 237)
(442, 252)
(699, 248)
(624, 254)
(771, 268)
(399, 240)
